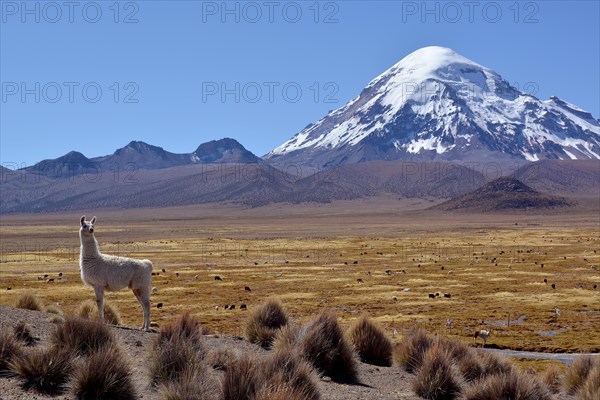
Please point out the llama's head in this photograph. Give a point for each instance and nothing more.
(87, 227)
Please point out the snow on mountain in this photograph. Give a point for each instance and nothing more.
(437, 104)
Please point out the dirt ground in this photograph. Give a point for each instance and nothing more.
(376, 383)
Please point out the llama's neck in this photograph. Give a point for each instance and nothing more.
(89, 247)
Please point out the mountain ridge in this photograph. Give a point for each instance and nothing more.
(141, 155)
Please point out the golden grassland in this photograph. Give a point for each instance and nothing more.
(379, 260)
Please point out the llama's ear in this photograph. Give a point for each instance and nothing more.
(82, 220)
(93, 219)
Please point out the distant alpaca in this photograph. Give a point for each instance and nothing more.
(484, 334)
(103, 272)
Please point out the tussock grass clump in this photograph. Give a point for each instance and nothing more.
(104, 375)
(437, 378)
(177, 350)
(191, 385)
(9, 350)
(23, 334)
(504, 386)
(470, 367)
(89, 310)
(410, 351)
(219, 358)
(185, 327)
(242, 379)
(53, 309)
(370, 343)
(495, 364)
(465, 358)
(280, 392)
(265, 321)
(81, 336)
(56, 319)
(576, 374)
(29, 301)
(552, 377)
(281, 375)
(46, 371)
(172, 358)
(287, 337)
(455, 348)
(591, 388)
(287, 372)
(322, 343)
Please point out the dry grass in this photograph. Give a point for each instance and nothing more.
(322, 343)
(466, 359)
(45, 370)
(53, 309)
(591, 388)
(495, 364)
(280, 392)
(282, 373)
(265, 321)
(192, 384)
(576, 374)
(29, 301)
(177, 350)
(508, 386)
(410, 351)
(370, 343)
(376, 238)
(23, 334)
(220, 357)
(82, 336)
(56, 319)
(242, 378)
(171, 358)
(185, 327)
(105, 374)
(286, 371)
(89, 310)
(470, 366)
(437, 378)
(552, 377)
(9, 350)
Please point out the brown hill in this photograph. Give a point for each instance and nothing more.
(375, 178)
(562, 177)
(503, 194)
(257, 184)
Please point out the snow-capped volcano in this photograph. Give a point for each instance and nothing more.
(437, 104)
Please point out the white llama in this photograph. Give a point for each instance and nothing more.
(104, 272)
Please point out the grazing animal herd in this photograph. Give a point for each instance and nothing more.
(105, 272)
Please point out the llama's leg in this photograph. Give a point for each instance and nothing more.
(143, 296)
(100, 302)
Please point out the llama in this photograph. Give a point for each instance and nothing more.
(104, 272)
(482, 333)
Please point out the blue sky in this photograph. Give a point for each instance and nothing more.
(91, 76)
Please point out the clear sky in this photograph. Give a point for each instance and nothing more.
(92, 76)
